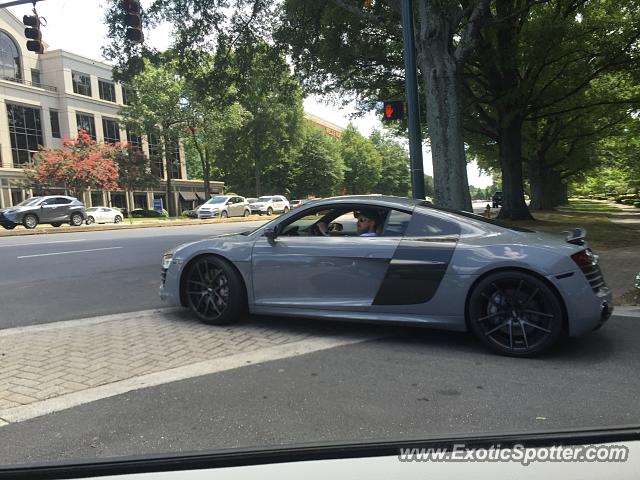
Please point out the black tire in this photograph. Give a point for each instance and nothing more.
(76, 219)
(30, 221)
(286, 210)
(56, 224)
(9, 226)
(90, 220)
(118, 219)
(247, 213)
(515, 313)
(224, 214)
(213, 291)
(269, 211)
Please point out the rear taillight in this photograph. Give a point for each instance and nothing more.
(584, 258)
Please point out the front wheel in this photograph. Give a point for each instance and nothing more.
(270, 211)
(286, 209)
(56, 224)
(9, 226)
(213, 291)
(247, 213)
(118, 219)
(76, 220)
(515, 314)
(90, 220)
(30, 221)
(224, 214)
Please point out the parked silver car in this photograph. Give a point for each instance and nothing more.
(517, 290)
(270, 204)
(224, 206)
(52, 209)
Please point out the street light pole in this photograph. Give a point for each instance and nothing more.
(413, 105)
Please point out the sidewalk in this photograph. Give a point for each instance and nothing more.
(50, 367)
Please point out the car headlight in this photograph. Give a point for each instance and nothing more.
(167, 258)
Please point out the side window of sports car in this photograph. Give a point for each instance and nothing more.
(425, 225)
(397, 223)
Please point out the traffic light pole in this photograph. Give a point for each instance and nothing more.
(413, 110)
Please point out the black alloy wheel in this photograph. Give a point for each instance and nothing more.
(515, 314)
(213, 291)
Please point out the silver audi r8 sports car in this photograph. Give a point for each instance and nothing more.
(391, 259)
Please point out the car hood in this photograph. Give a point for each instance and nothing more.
(10, 210)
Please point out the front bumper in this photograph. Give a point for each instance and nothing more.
(208, 214)
(169, 290)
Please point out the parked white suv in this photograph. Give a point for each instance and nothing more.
(271, 204)
(224, 206)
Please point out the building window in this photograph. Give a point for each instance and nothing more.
(111, 131)
(81, 83)
(9, 58)
(107, 90)
(176, 171)
(134, 141)
(35, 77)
(155, 154)
(25, 130)
(97, 199)
(139, 200)
(16, 196)
(87, 123)
(55, 124)
(127, 95)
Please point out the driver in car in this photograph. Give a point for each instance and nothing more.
(369, 224)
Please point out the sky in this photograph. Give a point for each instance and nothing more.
(78, 27)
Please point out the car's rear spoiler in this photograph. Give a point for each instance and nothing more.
(576, 236)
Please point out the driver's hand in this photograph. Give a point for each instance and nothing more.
(323, 228)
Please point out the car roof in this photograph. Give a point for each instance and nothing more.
(381, 200)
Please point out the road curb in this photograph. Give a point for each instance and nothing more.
(627, 311)
(125, 226)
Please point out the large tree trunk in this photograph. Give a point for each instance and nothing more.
(510, 154)
(547, 189)
(171, 205)
(441, 74)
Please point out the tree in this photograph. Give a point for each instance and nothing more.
(158, 107)
(338, 46)
(134, 170)
(363, 163)
(318, 168)
(80, 164)
(395, 176)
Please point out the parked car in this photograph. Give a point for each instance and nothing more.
(190, 213)
(296, 203)
(270, 205)
(496, 200)
(52, 209)
(103, 215)
(518, 291)
(224, 206)
(252, 200)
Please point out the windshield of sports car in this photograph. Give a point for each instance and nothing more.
(237, 224)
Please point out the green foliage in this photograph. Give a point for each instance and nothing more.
(395, 176)
(362, 161)
(318, 169)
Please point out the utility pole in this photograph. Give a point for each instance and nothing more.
(413, 105)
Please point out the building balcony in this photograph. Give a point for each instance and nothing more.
(32, 84)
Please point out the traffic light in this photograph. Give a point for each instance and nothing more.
(133, 21)
(393, 110)
(32, 32)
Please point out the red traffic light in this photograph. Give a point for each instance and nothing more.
(393, 110)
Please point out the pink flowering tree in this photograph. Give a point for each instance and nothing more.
(82, 163)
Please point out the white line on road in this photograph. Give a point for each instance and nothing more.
(72, 251)
(42, 243)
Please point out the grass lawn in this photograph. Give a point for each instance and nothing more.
(602, 233)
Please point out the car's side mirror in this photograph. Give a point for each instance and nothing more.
(271, 233)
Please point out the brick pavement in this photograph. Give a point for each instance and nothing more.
(46, 361)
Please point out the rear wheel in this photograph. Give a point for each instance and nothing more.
(56, 224)
(515, 314)
(118, 219)
(30, 221)
(213, 291)
(269, 211)
(286, 209)
(224, 214)
(76, 220)
(90, 220)
(247, 213)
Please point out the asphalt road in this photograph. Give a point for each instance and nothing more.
(48, 278)
(411, 383)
